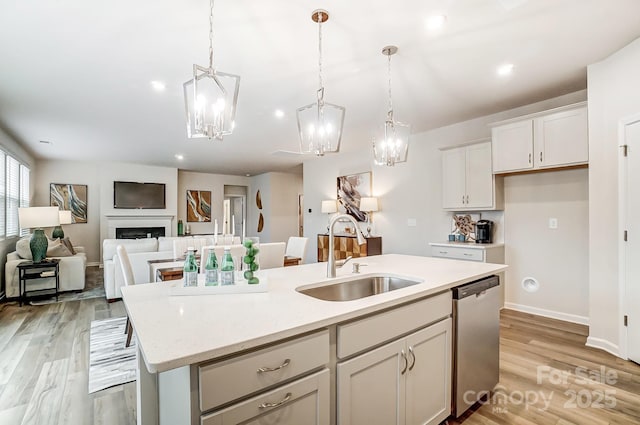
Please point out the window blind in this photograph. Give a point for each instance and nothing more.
(3, 159)
(24, 192)
(12, 196)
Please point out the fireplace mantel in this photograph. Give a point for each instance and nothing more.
(115, 221)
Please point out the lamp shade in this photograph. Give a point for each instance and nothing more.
(65, 217)
(38, 217)
(368, 204)
(329, 206)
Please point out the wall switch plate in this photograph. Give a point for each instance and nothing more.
(553, 223)
(411, 222)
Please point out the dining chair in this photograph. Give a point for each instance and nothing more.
(297, 247)
(271, 255)
(127, 273)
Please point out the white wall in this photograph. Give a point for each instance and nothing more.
(188, 180)
(279, 193)
(74, 172)
(413, 190)
(557, 258)
(614, 93)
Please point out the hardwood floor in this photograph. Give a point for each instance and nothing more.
(544, 371)
(44, 363)
(44, 353)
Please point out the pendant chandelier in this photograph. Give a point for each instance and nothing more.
(320, 123)
(210, 98)
(391, 147)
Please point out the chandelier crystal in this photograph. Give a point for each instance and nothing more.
(211, 98)
(392, 146)
(320, 123)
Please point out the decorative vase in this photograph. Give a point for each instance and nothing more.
(38, 245)
(250, 261)
(57, 233)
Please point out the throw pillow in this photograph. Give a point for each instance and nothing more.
(57, 249)
(23, 249)
(67, 243)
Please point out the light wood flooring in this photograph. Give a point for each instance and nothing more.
(44, 354)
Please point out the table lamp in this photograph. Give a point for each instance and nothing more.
(369, 205)
(37, 218)
(65, 218)
(329, 207)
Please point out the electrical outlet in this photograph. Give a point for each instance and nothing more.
(553, 223)
(411, 222)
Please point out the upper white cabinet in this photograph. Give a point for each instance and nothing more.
(551, 139)
(468, 180)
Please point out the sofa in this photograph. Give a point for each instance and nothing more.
(71, 273)
(140, 251)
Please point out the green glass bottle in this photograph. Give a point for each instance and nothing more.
(190, 270)
(227, 270)
(211, 269)
(180, 229)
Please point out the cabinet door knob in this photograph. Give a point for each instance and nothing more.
(406, 362)
(273, 369)
(413, 356)
(279, 403)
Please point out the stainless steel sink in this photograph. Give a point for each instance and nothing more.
(357, 288)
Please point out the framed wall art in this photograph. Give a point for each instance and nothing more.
(198, 205)
(70, 197)
(350, 189)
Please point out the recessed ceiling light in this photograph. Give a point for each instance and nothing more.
(279, 113)
(158, 85)
(179, 157)
(436, 22)
(504, 70)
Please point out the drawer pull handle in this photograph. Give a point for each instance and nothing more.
(279, 403)
(406, 362)
(529, 158)
(466, 254)
(443, 252)
(273, 369)
(540, 156)
(413, 355)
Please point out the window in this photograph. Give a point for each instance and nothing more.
(14, 193)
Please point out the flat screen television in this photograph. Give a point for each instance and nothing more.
(133, 195)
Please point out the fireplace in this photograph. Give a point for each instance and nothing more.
(139, 226)
(139, 232)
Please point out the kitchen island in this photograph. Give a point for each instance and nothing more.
(181, 339)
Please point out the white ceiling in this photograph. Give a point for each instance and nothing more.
(77, 72)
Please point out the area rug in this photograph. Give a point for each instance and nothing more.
(110, 362)
(97, 292)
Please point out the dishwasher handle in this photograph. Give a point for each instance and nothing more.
(476, 287)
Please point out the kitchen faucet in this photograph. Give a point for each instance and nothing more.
(333, 263)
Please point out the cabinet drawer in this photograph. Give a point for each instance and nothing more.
(230, 379)
(305, 401)
(458, 253)
(357, 336)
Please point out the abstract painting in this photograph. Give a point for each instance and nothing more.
(350, 190)
(198, 205)
(71, 197)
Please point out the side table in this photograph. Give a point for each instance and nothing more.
(46, 269)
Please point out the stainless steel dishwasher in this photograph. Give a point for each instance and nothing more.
(476, 308)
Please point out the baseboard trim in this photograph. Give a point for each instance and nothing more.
(603, 344)
(573, 318)
(94, 264)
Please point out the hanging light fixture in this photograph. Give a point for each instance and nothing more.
(392, 146)
(320, 123)
(210, 98)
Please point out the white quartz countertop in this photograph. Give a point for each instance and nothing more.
(176, 331)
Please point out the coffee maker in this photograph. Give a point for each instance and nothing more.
(484, 231)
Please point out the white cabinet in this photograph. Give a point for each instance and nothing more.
(468, 180)
(551, 139)
(305, 401)
(407, 381)
(486, 253)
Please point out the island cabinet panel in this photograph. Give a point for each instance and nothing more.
(256, 371)
(305, 401)
(407, 381)
(347, 246)
(359, 335)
